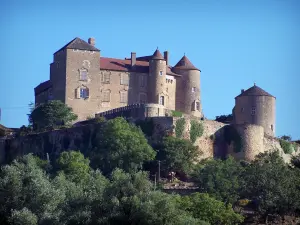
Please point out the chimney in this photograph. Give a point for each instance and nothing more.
(242, 91)
(166, 57)
(133, 59)
(91, 41)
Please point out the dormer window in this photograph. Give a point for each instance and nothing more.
(160, 72)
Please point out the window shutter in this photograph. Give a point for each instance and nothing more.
(77, 92)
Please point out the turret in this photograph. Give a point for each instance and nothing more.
(157, 79)
(188, 98)
(255, 106)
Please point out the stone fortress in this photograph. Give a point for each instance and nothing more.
(149, 87)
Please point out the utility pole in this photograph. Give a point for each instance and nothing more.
(158, 170)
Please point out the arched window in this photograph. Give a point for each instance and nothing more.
(162, 100)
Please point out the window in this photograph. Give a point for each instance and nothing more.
(242, 109)
(83, 75)
(123, 96)
(106, 96)
(193, 89)
(160, 72)
(142, 81)
(272, 127)
(105, 78)
(143, 98)
(198, 106)
(124, 79)
(162, 100)
(84, 93)
(253, 111)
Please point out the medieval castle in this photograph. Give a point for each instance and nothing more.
(92, 84)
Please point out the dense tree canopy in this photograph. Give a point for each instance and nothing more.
(50, 115)
(120, 144)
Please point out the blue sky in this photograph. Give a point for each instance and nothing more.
(234, 43)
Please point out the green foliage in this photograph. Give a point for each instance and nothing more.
(222, 179)
(272, 184)
(204, 207)
(51, 115)
(287, 147)
(74, 165)
(179, 128)
(286, 137)
(147, 126)
(232, 135)
(196, 130)
(120, 144)
(176, 113)
(178, 154)
(23, 217)
(224, 118)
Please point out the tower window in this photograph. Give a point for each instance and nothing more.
(198, 106)
(272, 127)
(124, 79)
(160, 72)
(84, 93)
(162, 100)
(123, 96)
(106, 96)
(193, 89)
(253, 111)
(242, 109)
(83, 75)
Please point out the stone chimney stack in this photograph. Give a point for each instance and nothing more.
(92, 41)
(166, 57)
(133, 59)
(242, 91)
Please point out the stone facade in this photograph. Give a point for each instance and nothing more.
(90, 83)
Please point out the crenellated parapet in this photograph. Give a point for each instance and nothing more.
(135, 111)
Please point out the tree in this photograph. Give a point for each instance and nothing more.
(204, 207)
(120, 144)
(50, 115)
(178, 154)
(272, 184)
(286, 137)
(74, 165)
(222, 179)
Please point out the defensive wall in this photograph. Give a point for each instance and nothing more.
(218, 140)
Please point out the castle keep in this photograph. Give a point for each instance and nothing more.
(89, 83)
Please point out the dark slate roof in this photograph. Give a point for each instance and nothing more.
(255, 91)
(79, 44)
(185, 64)
(42, 87)
(157, 55)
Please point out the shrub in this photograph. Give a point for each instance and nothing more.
(147, 126)
(286, 146)
(196, 130)
(176, 114)
(179, 128)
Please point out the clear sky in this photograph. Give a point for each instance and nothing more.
(234, 43)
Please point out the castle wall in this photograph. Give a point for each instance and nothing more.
(264, 112)
(58, 75)
(171, 83)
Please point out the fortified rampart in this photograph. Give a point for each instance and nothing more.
(213, 142)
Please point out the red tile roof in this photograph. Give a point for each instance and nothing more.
(255, 91)
(125, 65)
(157, 55)
(185, 64)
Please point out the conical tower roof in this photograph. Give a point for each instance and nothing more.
(157, 55)
(185, 64)
(255, 91)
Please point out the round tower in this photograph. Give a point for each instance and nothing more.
(157, 79)
(256, 106)
(188, 88)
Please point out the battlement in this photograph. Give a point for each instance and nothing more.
(136, 111)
